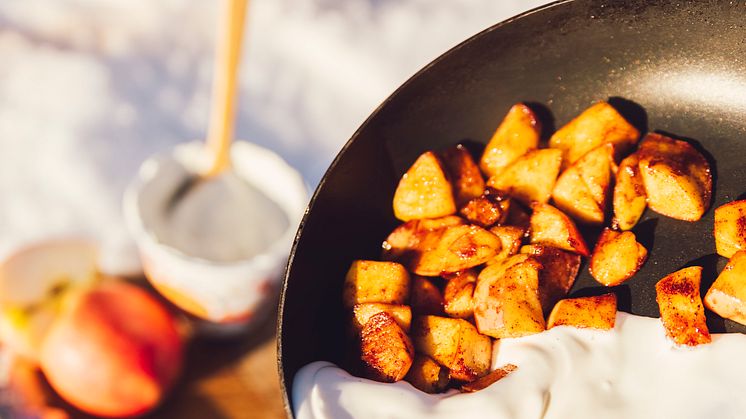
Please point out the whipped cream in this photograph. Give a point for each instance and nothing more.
(633, 371)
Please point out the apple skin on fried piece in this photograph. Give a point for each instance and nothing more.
(598, 312)
(518, 134)
(727, 295)
(617, 257)
(425, 191)
(681, 309)
(677, 178)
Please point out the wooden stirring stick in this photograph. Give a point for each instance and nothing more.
(222, 113)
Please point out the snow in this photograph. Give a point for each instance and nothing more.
(90, 88)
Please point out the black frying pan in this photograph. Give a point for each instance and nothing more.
(677, 67)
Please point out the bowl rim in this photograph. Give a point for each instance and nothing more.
(287, 404)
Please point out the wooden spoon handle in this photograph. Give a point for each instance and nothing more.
(222, 114)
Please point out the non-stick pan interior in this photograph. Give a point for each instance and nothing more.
(676, 67)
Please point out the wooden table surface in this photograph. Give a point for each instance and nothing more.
(230, 379)
(223, 379)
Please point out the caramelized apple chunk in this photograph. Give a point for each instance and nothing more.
(558, 273)
(727, 295)
(424, 191)
(597, 312)
(454, 249)
(454, 343)
(466, 179)
(427, 375)
(531, 177)
(404, 242)
(490, 208)
(550, 226)
(677, 178)
(730, 228)
(582, 189)
(617, 257)
(681, 309)
(458, 294)
(425, 296)
(386, 351)
(361, 313)
(597, 125)
(518, 134)
(489, 379)
(630, 198)
(506, 300)
(369, 281)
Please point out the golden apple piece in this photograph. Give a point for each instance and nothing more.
(582, 189)
(386, 351)
(730, 228)
(490, 208)
(598, 312)
(630, 198)
(489, 379)
(511, 238)
(454, 343)
(454, 249)
(458, 294)
(425, 297)
(506, 299)
(558, 273)
(727, 295)
(681, 309)
(369, 281)
(617, 257)
(677, 178)
(427, 375)
(518, 134)
(403, 243)
(570, 194)
(361, 313)
(597, 125)
(424, 191)
(466, 179)
(531, 177)
(34, 284)
(551, 227)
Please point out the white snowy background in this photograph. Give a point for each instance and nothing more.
(90, 88)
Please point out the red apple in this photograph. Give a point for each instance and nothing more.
(114, 351)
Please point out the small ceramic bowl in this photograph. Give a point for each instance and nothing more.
(231, 294)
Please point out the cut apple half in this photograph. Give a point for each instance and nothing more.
(34, 284)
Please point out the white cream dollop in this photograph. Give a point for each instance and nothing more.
(633, 371)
